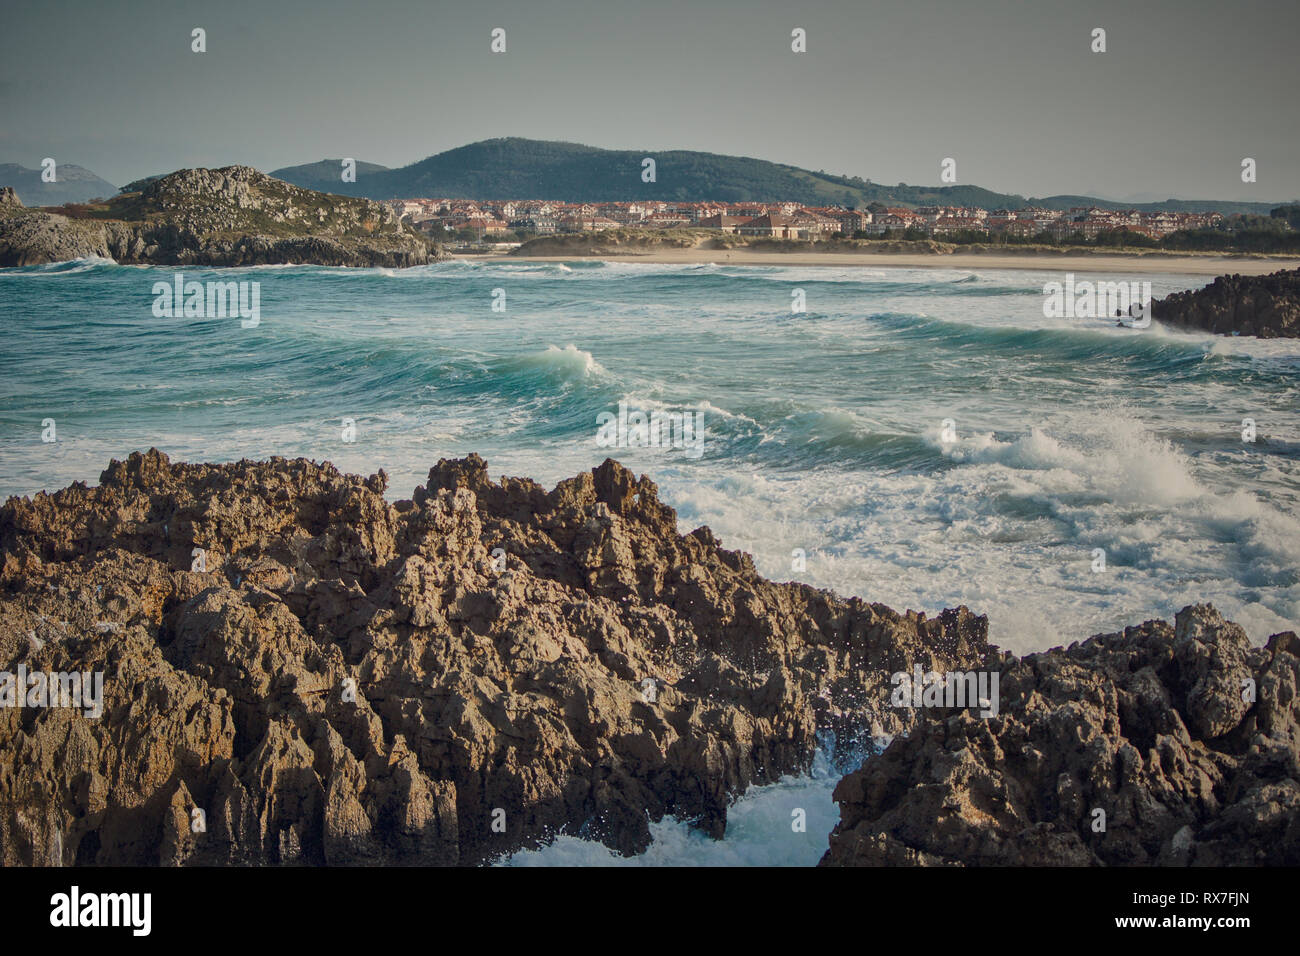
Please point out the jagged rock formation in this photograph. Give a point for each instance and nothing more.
(1266, 306)
(1155, 726)
(595, 673)
(8, 197)
(233, 216)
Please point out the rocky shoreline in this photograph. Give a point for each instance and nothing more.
(234, 216)
(1160, 745)
(298, 671)
(1266, 306)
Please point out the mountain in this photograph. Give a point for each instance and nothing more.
(72, 184)
(1166, 205)
(526, 168)
(326, 176)
(138, 185)
(516, 168)
(234, 216)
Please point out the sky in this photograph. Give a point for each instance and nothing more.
(886, 90)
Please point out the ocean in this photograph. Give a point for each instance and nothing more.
(919, 437)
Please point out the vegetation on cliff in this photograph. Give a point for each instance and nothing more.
(222, 217)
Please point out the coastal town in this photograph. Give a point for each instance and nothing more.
(488, 221)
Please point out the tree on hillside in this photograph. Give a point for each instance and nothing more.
(1290, 212)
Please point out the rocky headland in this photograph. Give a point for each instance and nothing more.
(1266, 306)
(234, 216)
(298, 671)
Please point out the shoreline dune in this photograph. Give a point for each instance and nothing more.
(1149, 264)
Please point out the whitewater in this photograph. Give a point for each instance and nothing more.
(919, 437)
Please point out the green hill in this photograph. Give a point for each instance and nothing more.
(326, 176)
(515, 168)
(539, 169)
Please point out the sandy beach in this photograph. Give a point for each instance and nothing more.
(1147, 264)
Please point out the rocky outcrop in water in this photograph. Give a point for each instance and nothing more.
(233, 216)
(1265, 306)
(296, 670)
(1159, 745)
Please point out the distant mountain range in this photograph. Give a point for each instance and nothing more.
(72, 184)
(515, 168)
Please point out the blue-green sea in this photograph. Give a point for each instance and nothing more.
(823, 430)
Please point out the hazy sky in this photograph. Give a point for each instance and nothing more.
(886, 90)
